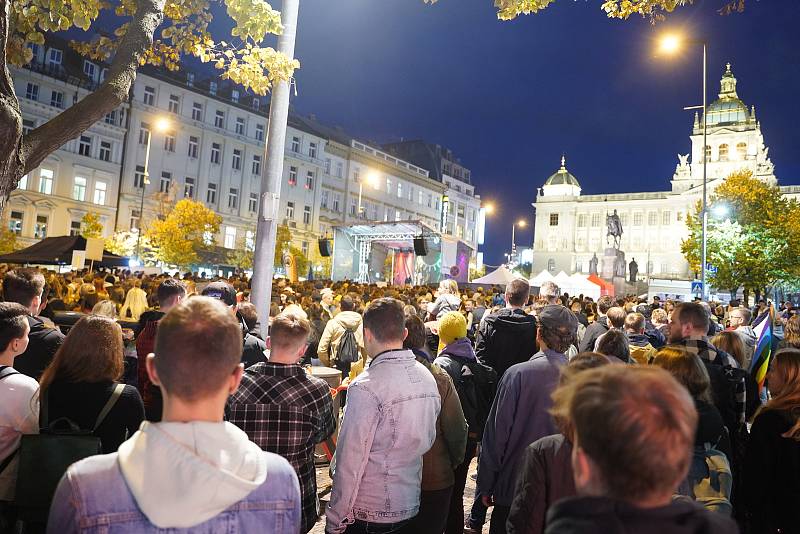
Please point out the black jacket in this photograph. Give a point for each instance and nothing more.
(603, 515)
(593, 332)
(42, 346)
(507, 338)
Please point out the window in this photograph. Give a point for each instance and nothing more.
(723, 152)
(197, 111)
(79, 188)
(312, 150)
(235, 96)
(40, 231)
(105, 150)
(554, 219)
(23, 182)
(174, 103)
(136, 216)
(307, 215)
(193, 144)
(388, 186)
(410, 194)
(623, 219)
(211, 194)
(652, 218)
(149, 96)
(679, 216)
(252, 204)
(741, 150)
(666, 218)
(259, 132)
(595, 220)
(103, 74)
(111, 118)
(336, 201)
(166, 181)
(32, 91)
(57, 99)
(144, 133)
(236, 162)
(256, 103)
(430, 200)
(75, 228)
(139, 177)
(188, 188)
(15, 222)
(46, 181)
(323, 199)
(421, 198)
(292, 175)
(239, 126)
(582, 220)
(551, 265)
(212, 88)
(89, 69)
(169, 142)
(85, 146)
(190, 79)
(233, 198)
(230, 237)
(219, 119)
(290, 210)
(353, 206)
(399, 190)
(460, 211)
(249, 240)
(310, 180)
(304, 248)
(328, 168)
(215, 153)
(55, 56)
(100, 193)
(27, 126)
(339, 169)
(637, 218)
(295, 144)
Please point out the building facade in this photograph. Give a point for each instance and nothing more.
(570, 227)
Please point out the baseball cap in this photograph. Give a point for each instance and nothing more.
(221, 291)
(556, 316)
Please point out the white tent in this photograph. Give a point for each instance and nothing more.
(581, 285)
(500, 276)
(541, 278)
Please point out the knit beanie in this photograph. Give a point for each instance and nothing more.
(452, 326)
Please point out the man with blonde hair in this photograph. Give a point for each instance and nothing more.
(633, 435)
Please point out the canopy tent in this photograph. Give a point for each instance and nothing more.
(606, 288)
(582, 286)
(500, 276)
(541, 278)
(58, 251)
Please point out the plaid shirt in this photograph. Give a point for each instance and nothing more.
(703, 348)
(286, 411)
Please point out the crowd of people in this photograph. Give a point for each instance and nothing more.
(607, 416)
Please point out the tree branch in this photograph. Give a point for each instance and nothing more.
(114, 91)
(10, 116)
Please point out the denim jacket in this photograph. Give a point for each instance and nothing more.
(389, 423)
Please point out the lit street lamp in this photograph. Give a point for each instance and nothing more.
(488, 208)
(670, 44)
(371, 179)
(720, 211)
(162, 124)
(521, 223)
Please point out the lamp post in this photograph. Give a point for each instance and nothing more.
(671, 44)
(162, 125)
(521, 223)
(370, 179)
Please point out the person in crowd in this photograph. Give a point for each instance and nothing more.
(252, 348)
(550, 292)
(329, 344)
(25, 287)
(772, 459)
(440, 463)
(633, 429)
(791, 334)
(660, 321)
(688, 369)
(192, 470)
(448, 299)
(285, 410)
(614, 343)
(545, 468)
(478, 311)
(328, 304)
(83, 377)
(655, 336)
(315, 319)
(389, 423)
(520, 412)
(249, 315)
(688, 328)
(577, 308)
(641, 349)
(508, 337)
(19, 411)
(106, 308)
(599, 327)
(135, 304)
(732, 343)
(739, 319)
(170, 293)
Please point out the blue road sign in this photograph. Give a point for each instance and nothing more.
(711, 269)
(697, 287)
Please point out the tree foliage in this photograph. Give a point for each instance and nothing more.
(123, 243)
(242, 256)
(91, 225)
(8, 239)
(188, 229)
(758, 246)
(283, 237)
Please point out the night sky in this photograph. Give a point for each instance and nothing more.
(509, 97)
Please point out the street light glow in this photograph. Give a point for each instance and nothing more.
(488, 208)
(720, 211)
(162, 124)
(670, 43)
(521, 223)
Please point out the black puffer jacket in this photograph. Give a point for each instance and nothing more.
(42, 346)
(506, 338)
(593, 332)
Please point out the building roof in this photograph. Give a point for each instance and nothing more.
(728, 108)
(562, 176)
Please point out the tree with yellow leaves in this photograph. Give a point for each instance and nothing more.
(188, 229)
(91, 225)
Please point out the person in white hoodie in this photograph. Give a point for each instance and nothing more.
(191, 471)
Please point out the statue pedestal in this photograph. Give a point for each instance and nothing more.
(614, 269)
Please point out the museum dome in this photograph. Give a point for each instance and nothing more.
(562, 176)
(728, 108)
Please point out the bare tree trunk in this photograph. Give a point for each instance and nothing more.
(20, 154)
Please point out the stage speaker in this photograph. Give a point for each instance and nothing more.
(324, 247)
(420, 247)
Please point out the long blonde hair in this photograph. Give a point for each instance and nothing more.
(786, 362)
(135, 303)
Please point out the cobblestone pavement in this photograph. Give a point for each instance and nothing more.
(324, 483)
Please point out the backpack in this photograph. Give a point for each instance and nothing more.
(476, 388)
(348, 350)
(709, 481)
(45, 457)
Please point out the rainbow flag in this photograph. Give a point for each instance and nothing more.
(763, 350)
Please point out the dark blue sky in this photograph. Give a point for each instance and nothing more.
(509, 97)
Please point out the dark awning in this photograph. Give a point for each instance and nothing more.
(58, 251)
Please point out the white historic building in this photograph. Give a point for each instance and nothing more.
(571, 227)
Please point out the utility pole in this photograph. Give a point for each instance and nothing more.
(266, 229)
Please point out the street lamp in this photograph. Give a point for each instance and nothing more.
(670, 44)
(720, 211)
(488, 208)
(371, 179)
(521, 223)
(161, 124)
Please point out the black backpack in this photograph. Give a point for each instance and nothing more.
(348, 351)
(476, 388)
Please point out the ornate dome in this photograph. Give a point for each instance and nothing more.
(728, 108)
(562, 176)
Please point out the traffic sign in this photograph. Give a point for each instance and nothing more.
(697, 287)
(711, 269)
